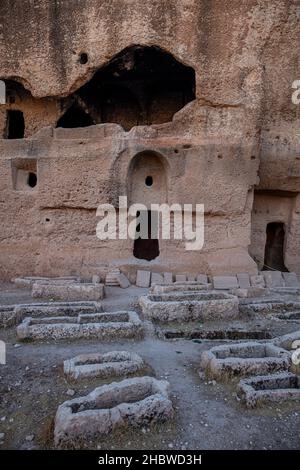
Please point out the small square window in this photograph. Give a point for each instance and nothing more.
(24, 174)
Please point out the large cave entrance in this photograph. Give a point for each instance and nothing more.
(142, 85)
(274, 249)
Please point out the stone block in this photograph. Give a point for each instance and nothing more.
(156, 278)
(273, 278)
(225, 282)
(96, 279)
(143, 278)
(291, 280)
(202, 279)
(180, 278)
(257, 281)
(168, 278)
(123, 281)
(243, 280)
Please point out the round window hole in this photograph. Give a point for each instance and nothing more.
(32, 180)
(149, 181)
(83, 58)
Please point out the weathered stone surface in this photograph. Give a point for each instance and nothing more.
(258, 281)
(28, 281)
(112, 277)
(250, 292)
(111, 364)
(168, 278)
(188, 306)
(104, 326)
(178, 287)
(273, 278)
(180, 278)
(7, 316)
(133, 402)
(190, 278)
(96, 279)
(225, 282)
(291, 280)
(267, 306)
(123, 281)
(270, 389)
(243, 359)
(202, 279)
(68, 291)
(156, 278)
(243, 280)
(287, 341)
(143, 278)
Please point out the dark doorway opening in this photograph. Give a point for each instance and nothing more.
(274, 250)
(147, 249)
(32, 180)
(75, 116)
(15, 125)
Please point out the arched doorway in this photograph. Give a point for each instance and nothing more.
(147, 184)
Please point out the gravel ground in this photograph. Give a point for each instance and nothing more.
(208, 415)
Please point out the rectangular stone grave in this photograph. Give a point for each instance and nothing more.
(110, 364)
(270, 390)
(135, 402)
(244, 359)
(103, 326)
(189, 306)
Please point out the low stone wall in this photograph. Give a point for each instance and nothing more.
(104, 326)
(244, 359)
(68, 291)
(111, 364)
(131, 403)
(185, 306)
(269, 389)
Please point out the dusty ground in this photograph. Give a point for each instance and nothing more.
(208, 415)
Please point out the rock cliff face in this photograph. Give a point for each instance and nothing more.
(195, 94)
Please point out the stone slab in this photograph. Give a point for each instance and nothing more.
(143, 278)
(243, 280)
(225, 282)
